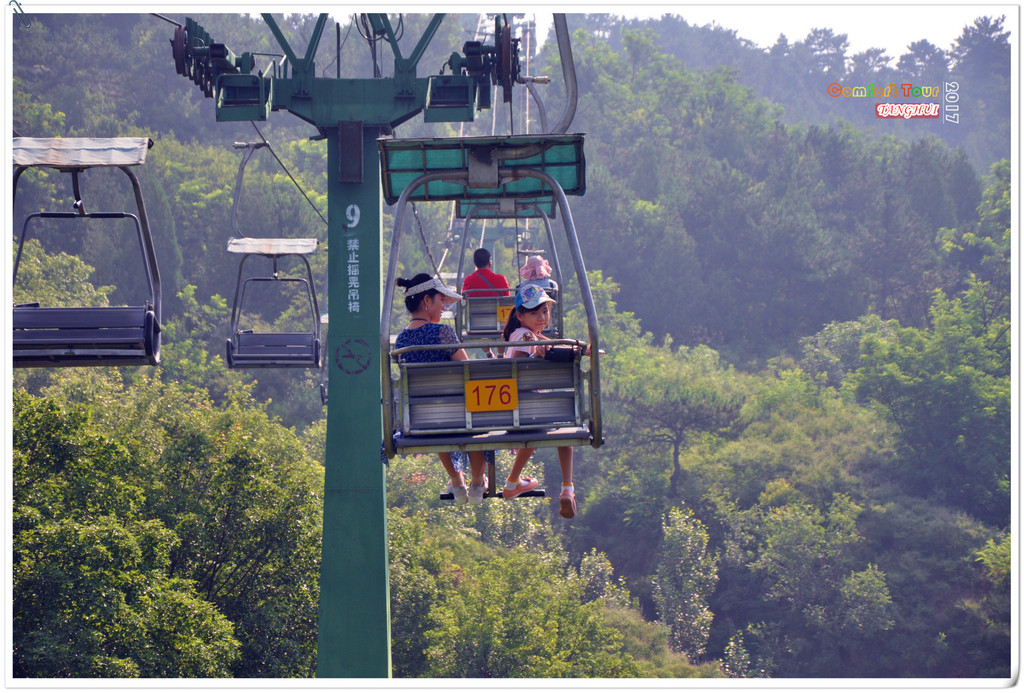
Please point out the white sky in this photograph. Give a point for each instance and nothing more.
(892, 27)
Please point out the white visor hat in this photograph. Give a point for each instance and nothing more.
(450, 294)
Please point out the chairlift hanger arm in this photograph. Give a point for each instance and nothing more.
(249, 147)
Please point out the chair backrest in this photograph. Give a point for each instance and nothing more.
(489, 394)
(81, 336)
(273, 349)
(486, 316)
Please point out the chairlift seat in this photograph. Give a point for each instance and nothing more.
(273, 350)
(484, 315)
(483, 319)
(97, 336)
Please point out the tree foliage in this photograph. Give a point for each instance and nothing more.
(189, 534)
(686, 577)
(805, 314)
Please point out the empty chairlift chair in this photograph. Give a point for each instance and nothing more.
(52, 336)
(487, 404)
(248, 348)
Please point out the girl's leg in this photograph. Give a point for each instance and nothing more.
(456, 476)
(567, 498)
(477, 463)
(478, 487)
(522, 457)
(565, 461)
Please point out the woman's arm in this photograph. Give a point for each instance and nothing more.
(446, 335)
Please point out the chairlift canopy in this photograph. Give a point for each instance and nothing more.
(272, 246)
(559, 156)
(80, 152)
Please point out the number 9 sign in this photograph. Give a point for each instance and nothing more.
(352, 214)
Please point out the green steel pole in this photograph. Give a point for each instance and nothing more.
(355, 619)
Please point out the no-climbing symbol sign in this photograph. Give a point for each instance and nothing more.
(353, 356)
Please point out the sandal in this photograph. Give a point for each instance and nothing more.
(567, 503)
(525, 484)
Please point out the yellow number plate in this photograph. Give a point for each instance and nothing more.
(503, 312)
(492, 395)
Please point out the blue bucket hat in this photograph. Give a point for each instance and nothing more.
(530, 296)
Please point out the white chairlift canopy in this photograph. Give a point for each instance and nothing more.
(80, 152)
(273, 246)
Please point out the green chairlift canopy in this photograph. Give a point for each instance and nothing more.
(479, 159)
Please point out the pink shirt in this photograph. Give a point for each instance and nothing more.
(521, 334)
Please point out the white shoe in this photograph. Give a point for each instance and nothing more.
(476, 493)
(460, 493)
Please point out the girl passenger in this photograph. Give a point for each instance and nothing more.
(526, 323)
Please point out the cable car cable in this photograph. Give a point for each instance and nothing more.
(423, 238)
(265, 141)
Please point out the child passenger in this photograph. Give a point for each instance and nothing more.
(536, 270)
(526, 322)
(425, 299)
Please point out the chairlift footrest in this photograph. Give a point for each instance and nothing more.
(535, 493)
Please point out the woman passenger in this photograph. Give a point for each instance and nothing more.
(426, 298)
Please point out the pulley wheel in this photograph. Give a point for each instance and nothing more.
(178, 44)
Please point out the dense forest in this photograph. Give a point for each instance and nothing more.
(806, 319)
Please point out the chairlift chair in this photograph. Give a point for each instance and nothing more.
(247, 348)
(484, 317)
(45, 336)
(487, 404)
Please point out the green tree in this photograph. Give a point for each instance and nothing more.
(193, 346)
(56, 280)
(947, 390)
(516, 617)
(686, 577)
(237, 490)
(996, 558)
(806, 558)
(93, 593)
(834, 352)
(673, 397)
(417, 580)
(924, 61)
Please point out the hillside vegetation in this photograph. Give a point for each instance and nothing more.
(806, 385)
